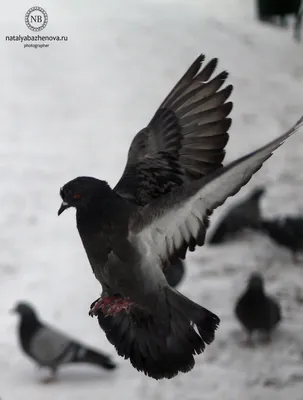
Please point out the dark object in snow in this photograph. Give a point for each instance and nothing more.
(50, 348)
(257, 311)
(174, 273)
(277, 11)
(245, 214)
(159, 209)
(287, 231)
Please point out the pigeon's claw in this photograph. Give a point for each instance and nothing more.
(248, 342)
(99, 304)
(110, 305)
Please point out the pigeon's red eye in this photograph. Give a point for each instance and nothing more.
(77, 196)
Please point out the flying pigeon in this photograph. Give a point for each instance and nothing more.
(287, 231)
(245, 214)
(50, 348)
(174, 273)
(159, 209)
(255, 310)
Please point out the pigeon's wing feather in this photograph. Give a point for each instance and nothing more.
(184, 140)
(50, 347)
(178, 220)
(174, 273)
(275, 311)
(296, 224)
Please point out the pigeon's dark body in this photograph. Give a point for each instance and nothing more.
(159, 209)
(287, 231)
(174, 273)
(255, 310)
(50, 348)
(156, 334)
(246, 214)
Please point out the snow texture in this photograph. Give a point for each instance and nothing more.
(72, 109)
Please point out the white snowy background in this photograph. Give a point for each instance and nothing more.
(72, 109)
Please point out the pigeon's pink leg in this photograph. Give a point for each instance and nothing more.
(295, 258)
(119, 305)
(100, 304)
(248, 342)
(50, 378)
(110, 305)
(267, 338)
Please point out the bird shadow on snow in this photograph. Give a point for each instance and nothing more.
(280, 337)
(69, 374)
(261, 363)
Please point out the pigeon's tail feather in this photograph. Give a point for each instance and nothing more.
(152, 348)
(268, 226)
(218, 235)
(254, 214)
(245, 215)
(85, 355)
(250, 214)
(276, 231)
(205, 321)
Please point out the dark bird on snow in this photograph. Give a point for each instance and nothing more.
(277, 12)
(174, 273)
(257, 311)
(243, 215)
(172, 182)
(50, 348)
(288, 232)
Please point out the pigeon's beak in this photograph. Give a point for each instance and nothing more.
(63, 207)
(12, 310)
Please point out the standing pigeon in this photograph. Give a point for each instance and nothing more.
(287, 231)
(50, 348)
(159, 209)
(255, 310)
(245, 214)
(278, 11)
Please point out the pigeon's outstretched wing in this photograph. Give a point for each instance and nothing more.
(178, 220)
(51, 348)
(185, 139)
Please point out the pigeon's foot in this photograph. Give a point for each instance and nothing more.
(248, 342)
(295, 258)
(110, 305)
(49, 378)
(266, 338)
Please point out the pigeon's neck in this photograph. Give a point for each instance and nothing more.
(102, 213)
(256, 292)
(28, 326)
(268, 225)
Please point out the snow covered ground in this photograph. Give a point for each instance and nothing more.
(72, 109)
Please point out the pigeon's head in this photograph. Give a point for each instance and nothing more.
(258, 192)
(79, 192)
(24, 309)
(255, 281)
